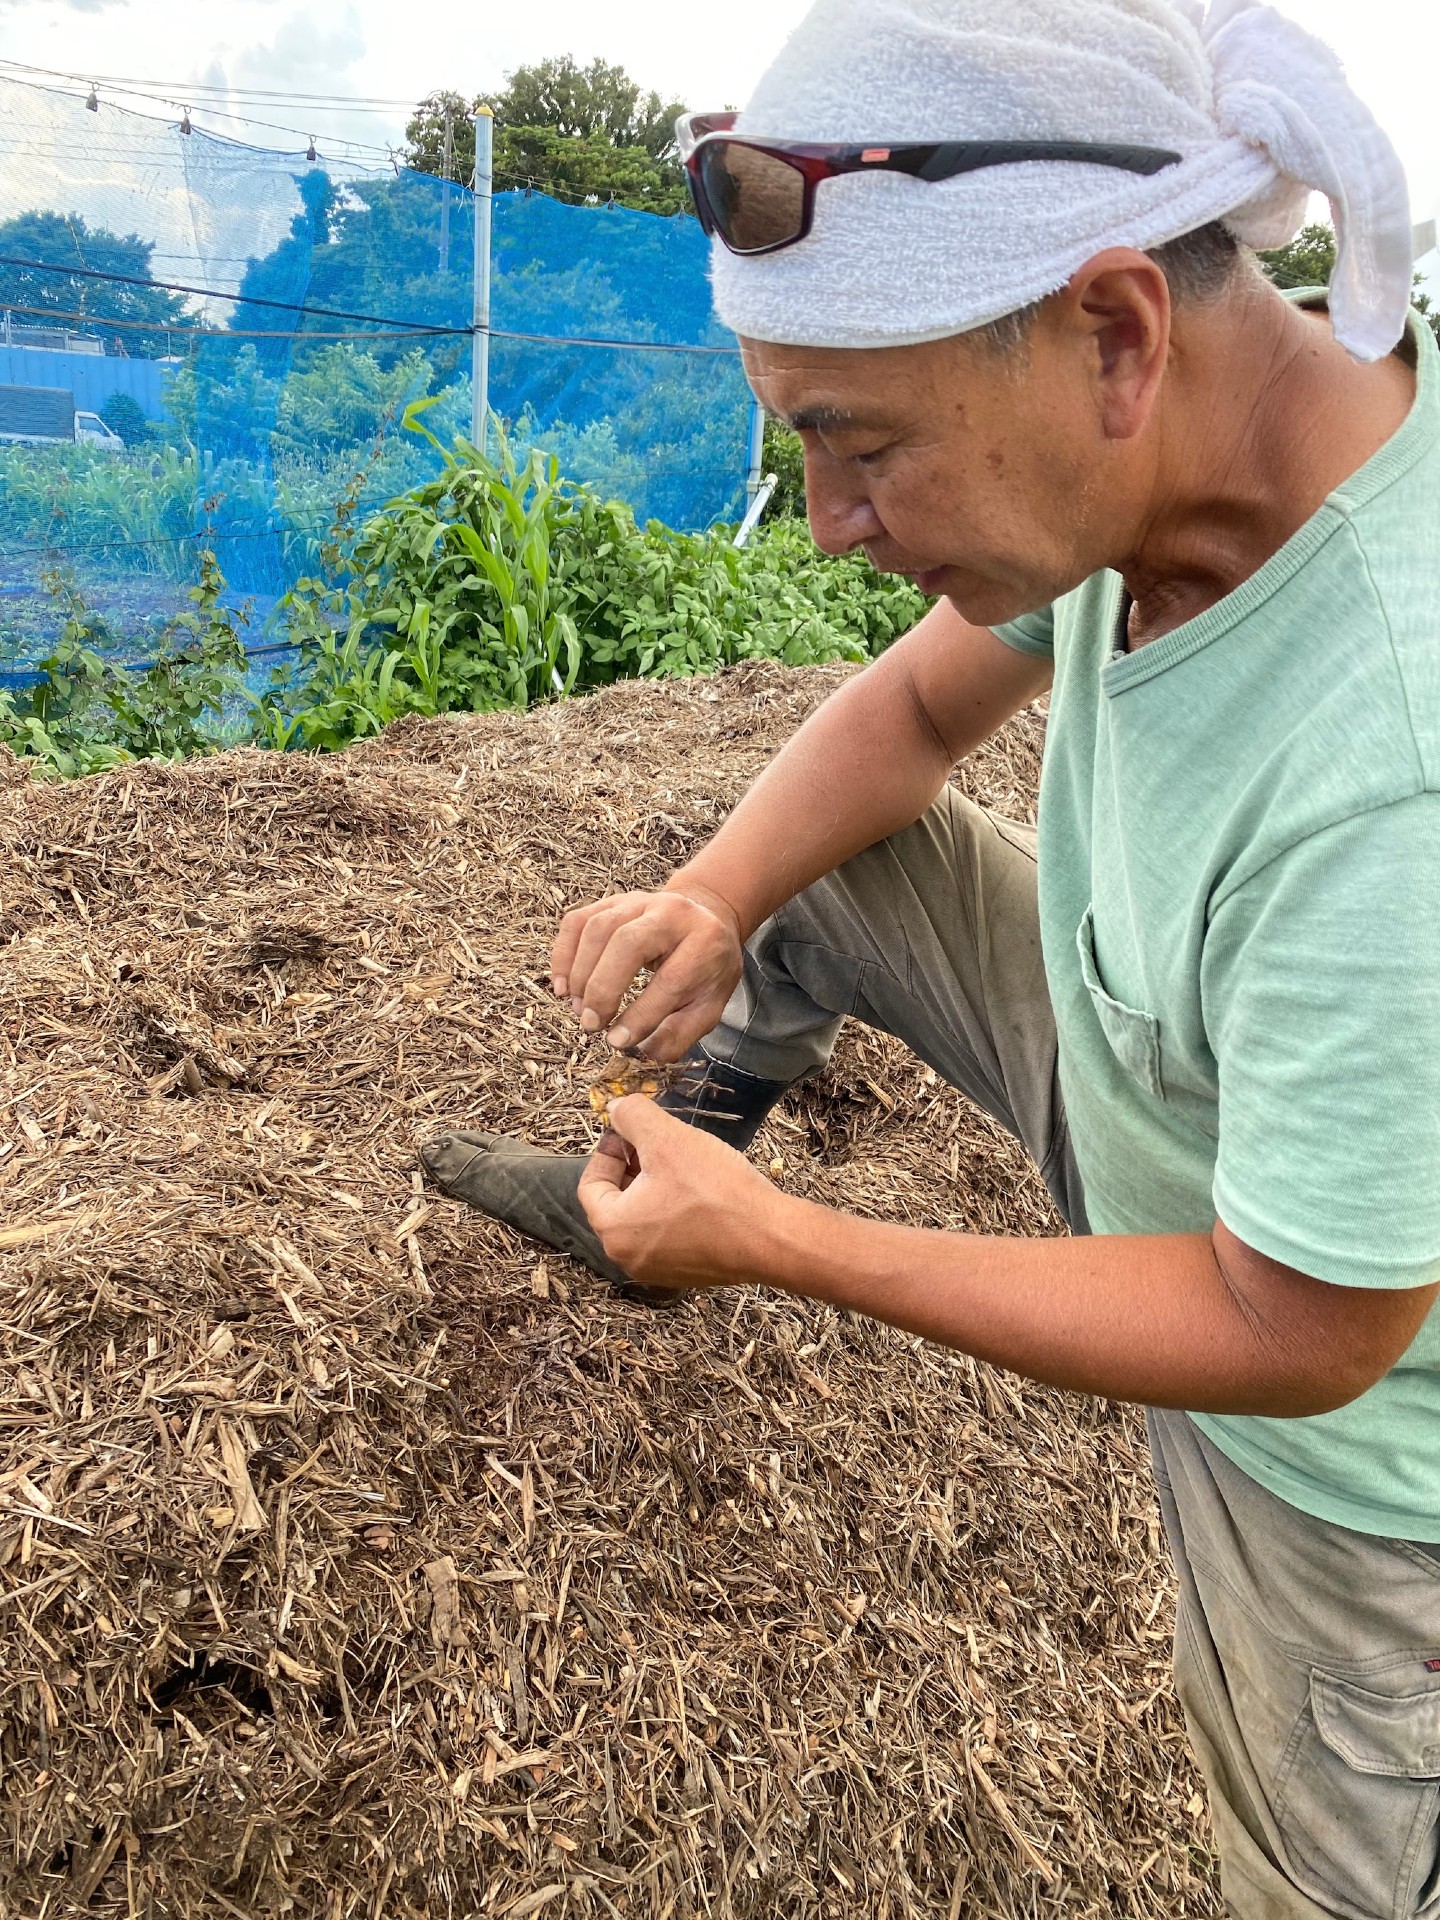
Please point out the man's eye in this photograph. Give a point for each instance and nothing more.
(869, 459)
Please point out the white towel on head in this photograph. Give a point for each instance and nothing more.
(1259, 109)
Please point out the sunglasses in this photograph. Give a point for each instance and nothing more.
(759, 195)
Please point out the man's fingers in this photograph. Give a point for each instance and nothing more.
(666, 1032)
(641, 1123)
(675, 1036)
(601, 949)
(611, 1147)
(639, 943)
(605, 1175)
(603, 927)
(685, 978)
(562, 951)
(567, 943)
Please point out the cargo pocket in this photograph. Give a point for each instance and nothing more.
(1358, 1801)
(1134, 1036)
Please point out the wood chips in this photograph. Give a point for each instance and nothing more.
(356, 1559)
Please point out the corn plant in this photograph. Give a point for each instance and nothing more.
(498, 583)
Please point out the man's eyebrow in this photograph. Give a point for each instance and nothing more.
(820, 420)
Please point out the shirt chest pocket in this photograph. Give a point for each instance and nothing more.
(1133, 1035)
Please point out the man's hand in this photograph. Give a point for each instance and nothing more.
(673, 1206)
(690, 939)
(1169, 1320)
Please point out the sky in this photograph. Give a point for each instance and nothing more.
(707, 56)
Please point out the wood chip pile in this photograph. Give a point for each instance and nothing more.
(357, 1561)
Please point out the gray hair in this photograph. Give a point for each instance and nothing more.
(1199, 266)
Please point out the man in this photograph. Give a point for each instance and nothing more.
(998, 291)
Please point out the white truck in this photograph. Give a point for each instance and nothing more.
(48, 416)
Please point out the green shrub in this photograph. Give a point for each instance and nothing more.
(121, 413)
(784, 456)
(499, 584)
(86, 712)
(495, 584)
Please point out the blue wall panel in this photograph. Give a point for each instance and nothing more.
(92, 377)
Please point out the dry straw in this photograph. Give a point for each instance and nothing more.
(356, 1561)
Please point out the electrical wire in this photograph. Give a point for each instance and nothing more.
(628, 346)
(217, 293)
(104, 322)
(267, 95)
(214, 112)
(271, 126)
(403, 329)
(16, 679)
(101, 322)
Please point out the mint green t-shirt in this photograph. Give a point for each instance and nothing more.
(1240, 913)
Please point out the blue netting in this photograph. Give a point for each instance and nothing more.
(310, 302)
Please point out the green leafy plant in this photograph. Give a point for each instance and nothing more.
(86, 712)
(785, 457)
(453, 582)
(499, 584)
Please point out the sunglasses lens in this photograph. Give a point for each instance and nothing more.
(756, 199)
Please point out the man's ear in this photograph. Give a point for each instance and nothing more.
(1118, 309)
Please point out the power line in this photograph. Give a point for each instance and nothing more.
(196, 88)
(271, 126)
(17, 679)
(406, 329)
(628, 346)
(102, 323)
(208, 534)
(216, 293)
(177, 106)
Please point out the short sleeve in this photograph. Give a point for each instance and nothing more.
(1321, 996)
(1031, 633)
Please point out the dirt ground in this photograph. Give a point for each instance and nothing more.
(355, 1560)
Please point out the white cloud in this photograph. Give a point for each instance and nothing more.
(398, 52)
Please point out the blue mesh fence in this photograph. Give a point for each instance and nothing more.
(251, 323)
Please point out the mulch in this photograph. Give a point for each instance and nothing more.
(359, 1559)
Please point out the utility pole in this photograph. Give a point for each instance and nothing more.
(480, 323)
(445, 191)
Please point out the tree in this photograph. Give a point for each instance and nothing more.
(1309, 261)
(123, 416)
(343, 396)
(34, 245)
(588, 167)
(571, 131)
(425, 136)
(584, 101)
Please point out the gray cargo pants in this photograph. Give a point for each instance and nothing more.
(1303, 1650)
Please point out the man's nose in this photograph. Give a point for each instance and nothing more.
(841, 516)
(840, 521)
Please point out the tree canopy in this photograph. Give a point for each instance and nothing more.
(586, 133)
(1309, 261)
(64, 241)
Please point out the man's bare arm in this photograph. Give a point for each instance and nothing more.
(868, 763)
(1192, 1320)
